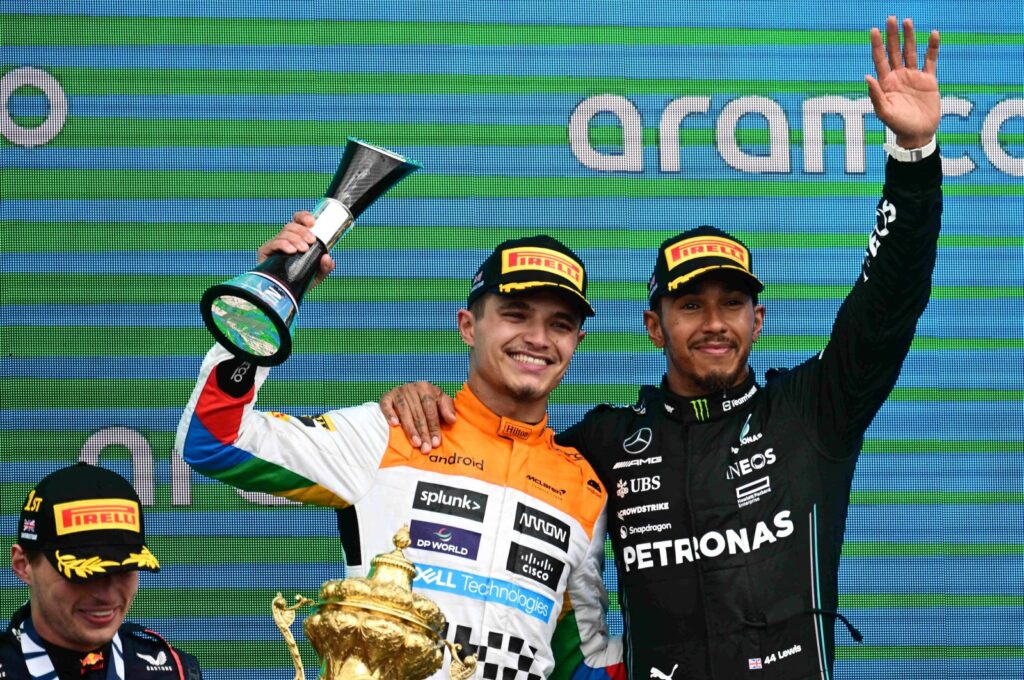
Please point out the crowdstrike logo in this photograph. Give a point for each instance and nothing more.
(641, 510)
(449, 500)
(710, 545)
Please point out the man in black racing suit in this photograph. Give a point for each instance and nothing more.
(728, 499)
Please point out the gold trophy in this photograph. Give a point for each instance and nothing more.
(374, 628)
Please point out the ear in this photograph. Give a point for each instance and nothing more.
(653, 323)
(759, 312)
(467, 326)
(20, 564)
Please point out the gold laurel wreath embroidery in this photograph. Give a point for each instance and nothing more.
(144, 559)
(84, 567)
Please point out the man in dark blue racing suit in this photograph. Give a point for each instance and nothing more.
(728, 498)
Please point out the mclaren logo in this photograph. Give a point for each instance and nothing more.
(700, 409)
(638, 441)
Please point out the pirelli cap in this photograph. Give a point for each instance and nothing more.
(698, 251)
(87, 521)
(528, 263)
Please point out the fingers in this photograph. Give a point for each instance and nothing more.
(909, 44)
(875, 94)
(931, 55)
(878, 55)
(326, 267)
(892, 43)
(401, 410)
(446, 406)
(414, 406)
(294, 237)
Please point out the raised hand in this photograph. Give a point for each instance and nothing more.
(906, 99)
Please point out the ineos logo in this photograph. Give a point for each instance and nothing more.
(638, 441)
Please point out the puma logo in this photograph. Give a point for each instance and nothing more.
(655, 673)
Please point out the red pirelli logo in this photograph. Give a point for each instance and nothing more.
(705, 246)
(542, 259)
(96, 514)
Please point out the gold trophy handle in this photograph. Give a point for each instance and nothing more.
(459, 669)
(284, 617)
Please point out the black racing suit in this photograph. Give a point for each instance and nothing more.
(146, 655)
(727, 512)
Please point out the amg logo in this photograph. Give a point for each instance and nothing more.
(543, 526)
(450, 501)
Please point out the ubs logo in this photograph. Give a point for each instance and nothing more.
(638, 441)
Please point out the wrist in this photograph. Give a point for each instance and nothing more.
(909, 150)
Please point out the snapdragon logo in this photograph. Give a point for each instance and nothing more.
(710, 545)
(460, 583)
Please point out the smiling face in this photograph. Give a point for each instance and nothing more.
(520, 349)
(707, 331)
(78, 616)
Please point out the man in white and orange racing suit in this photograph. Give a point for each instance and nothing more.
(507, 527)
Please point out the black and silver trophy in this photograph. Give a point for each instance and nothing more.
(251, 315)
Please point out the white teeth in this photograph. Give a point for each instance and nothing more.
(527, 359)
(100, 613)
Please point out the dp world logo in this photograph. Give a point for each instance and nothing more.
(443, 535)
(638, 441)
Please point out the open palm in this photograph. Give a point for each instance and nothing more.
(905, 98)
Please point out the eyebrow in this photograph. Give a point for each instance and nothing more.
(519, 303)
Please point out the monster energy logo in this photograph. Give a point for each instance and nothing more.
(700, 409)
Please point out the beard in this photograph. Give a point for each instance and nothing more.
(526, 393)
(718, 381)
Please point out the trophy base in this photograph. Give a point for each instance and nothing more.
(251, 316)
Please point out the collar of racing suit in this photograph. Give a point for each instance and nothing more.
(710, 406)
(469, 406)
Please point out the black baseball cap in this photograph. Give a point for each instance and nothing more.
(528, 263)
(688, 255)
(88, 522)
